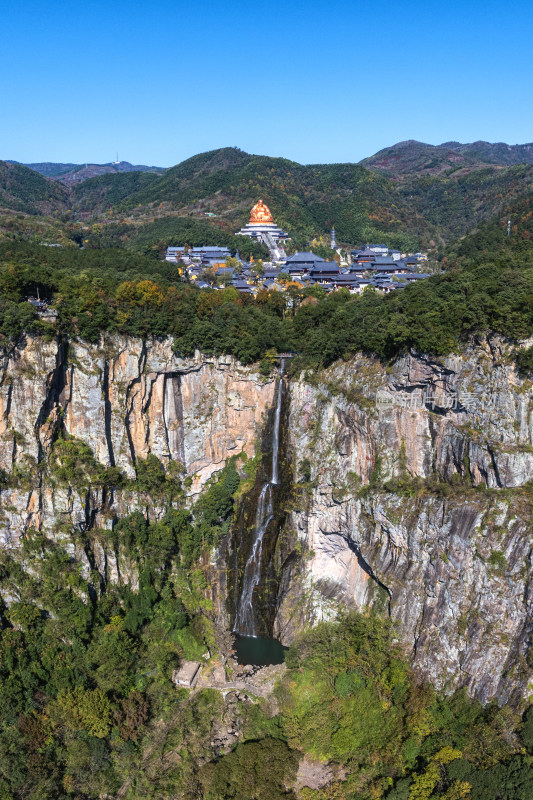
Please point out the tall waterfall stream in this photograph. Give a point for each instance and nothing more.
(245, 618)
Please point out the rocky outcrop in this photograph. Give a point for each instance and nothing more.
(392, 517)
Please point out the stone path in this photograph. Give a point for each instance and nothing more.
(228, 686)
(259, 684)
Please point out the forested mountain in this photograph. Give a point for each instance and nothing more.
(454, 186)
(421, 210)
(22, 189)
(105, 191)
(303, 199)
(409, 196)
(492, 240)
(453, 204)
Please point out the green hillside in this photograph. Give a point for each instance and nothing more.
(438, 197)
(455, 187)
(453, 204)
(21, 189)
(303, 199)
(104, 191)
(490, 240)
(154, 237)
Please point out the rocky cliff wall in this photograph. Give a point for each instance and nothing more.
(397, 516)
(410, 483)
(125, 399)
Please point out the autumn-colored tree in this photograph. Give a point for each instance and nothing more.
(133, 713)
(145, 294)
(83, 709)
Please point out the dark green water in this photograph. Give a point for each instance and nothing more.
(258, 651)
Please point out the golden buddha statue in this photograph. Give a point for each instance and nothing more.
(261, 215)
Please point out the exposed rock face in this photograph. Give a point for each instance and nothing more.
(454, 571)
(125, 399)
(451, 563)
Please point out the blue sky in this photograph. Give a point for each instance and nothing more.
(311, 81)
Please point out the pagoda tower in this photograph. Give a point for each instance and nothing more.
(333, 240)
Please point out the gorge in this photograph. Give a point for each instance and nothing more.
(405, 488)
(245, 611)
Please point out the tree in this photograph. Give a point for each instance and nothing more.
(234, 264)
(133, 713)
(72, 462)
(83, 709)
(253, 771)
(150, 474)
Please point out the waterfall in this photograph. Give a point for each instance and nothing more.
(245, 618)
(275, 433)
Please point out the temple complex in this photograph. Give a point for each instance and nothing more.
(262, 228)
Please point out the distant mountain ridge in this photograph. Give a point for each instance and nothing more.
(494, 153)
(403, 158)
(411, 157)
(71, 174)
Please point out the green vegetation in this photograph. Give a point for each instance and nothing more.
(154, 237)
(350, 697)
(303, 199)
(453, 204)
(108, 190)
(490, 241)
(87, 705)
(436, 195)
(106, 290)
(85, 664)
(34, 228)
(22, 189)
(253, 771)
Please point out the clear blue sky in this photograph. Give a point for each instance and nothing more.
(312, 81)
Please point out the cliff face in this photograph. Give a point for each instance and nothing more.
(451, 563)
(385, 511)
(125, 399)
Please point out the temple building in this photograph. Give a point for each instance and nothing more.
(262, 228)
